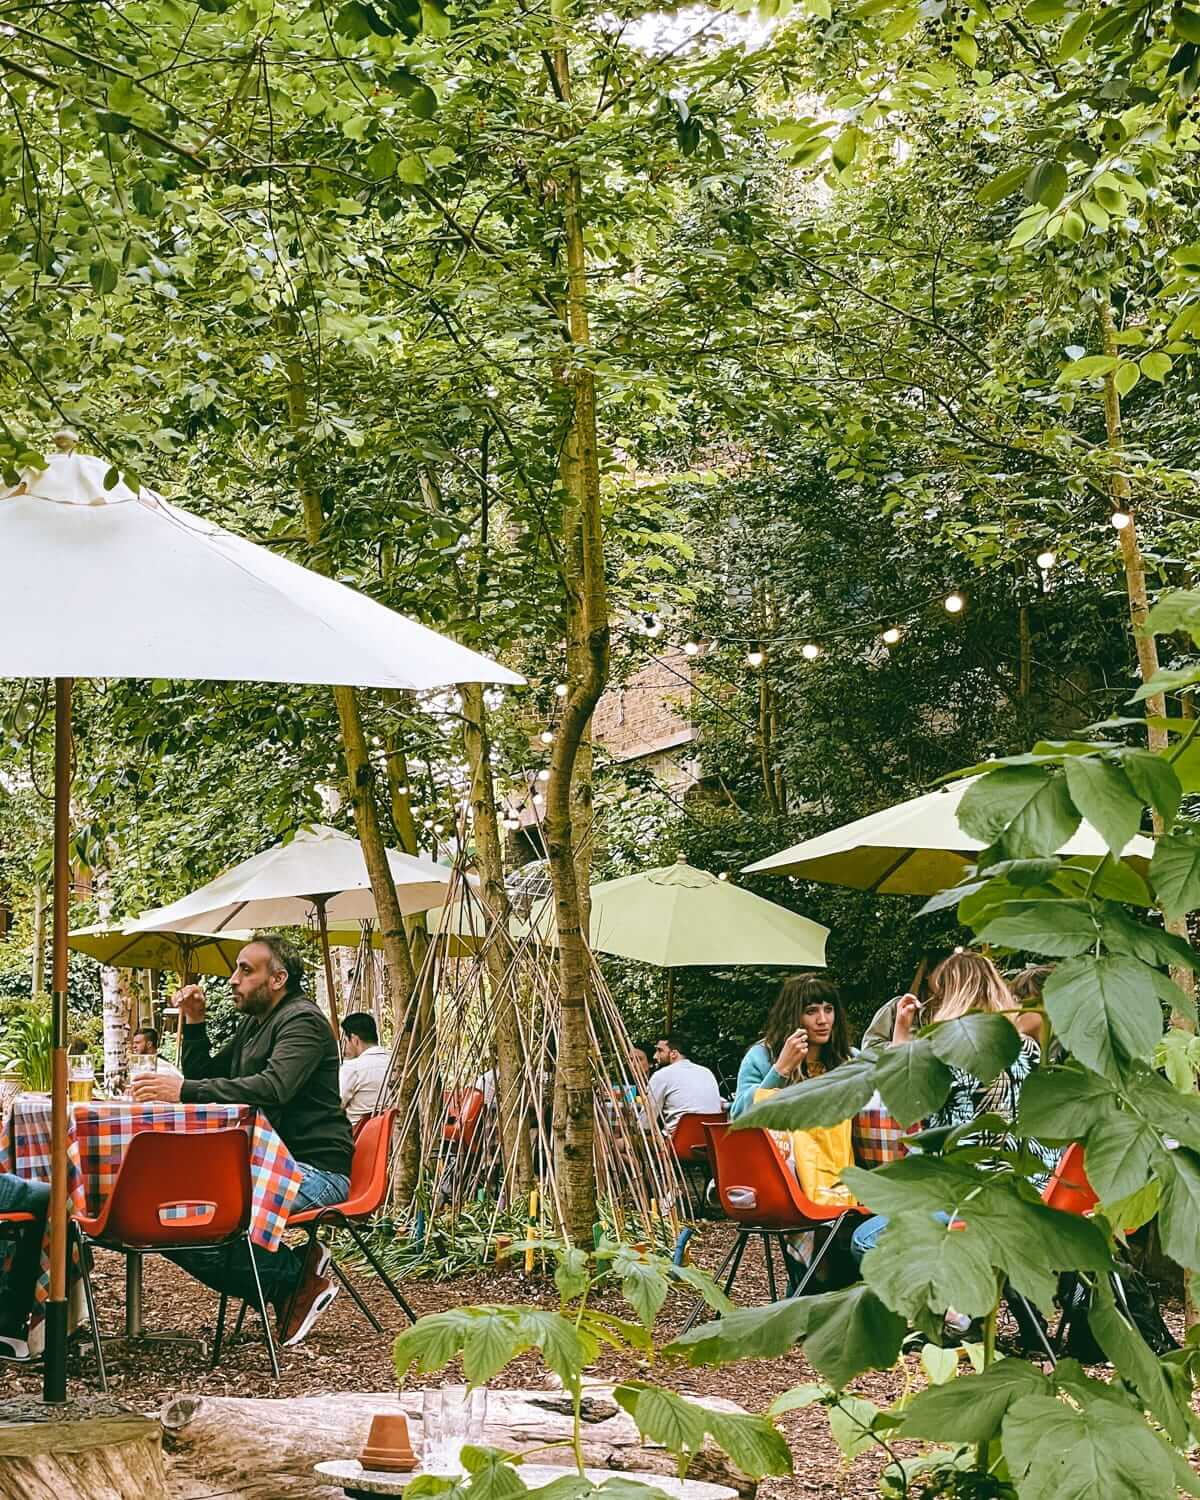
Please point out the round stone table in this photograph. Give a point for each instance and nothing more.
(359, 1483)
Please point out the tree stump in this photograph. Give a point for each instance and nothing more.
(93, 1448)
(244, 1449)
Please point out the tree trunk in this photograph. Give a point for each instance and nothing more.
(1139, 605)
(510, 1100)
(587, 620)
(359, 770)
(93, 1452)
(37, 973)
(114, 992)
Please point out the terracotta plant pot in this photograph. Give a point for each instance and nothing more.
(388, 1447)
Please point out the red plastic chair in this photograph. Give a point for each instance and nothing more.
(760, 1193)
(690, 1149)
(178, 1191)
(464, 1110)
(368, 1190)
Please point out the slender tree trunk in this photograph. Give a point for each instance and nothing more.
(114, 993)
(511, 1112)
(37, 974)
(360, 772)
(587, 611)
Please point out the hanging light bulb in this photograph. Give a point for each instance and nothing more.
(547, 736)
(891, 635)
(539, 800)
(543, 774)
(691, 648)
(755, 658)
(428, 823)
(1120, 519)
(439, 828)
(954, 603)
(401, 791)
(1046, 560)
(724, 875)
(810, 651)
(561, 690)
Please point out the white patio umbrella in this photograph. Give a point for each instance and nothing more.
(913, 849)
(198, 602)
(318, 876)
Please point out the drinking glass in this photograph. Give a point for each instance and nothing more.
(81, 1081)
(452, 1417)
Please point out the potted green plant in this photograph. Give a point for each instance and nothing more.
(25, 1048)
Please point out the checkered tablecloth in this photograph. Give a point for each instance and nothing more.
(99, 1132)
(878, 1137)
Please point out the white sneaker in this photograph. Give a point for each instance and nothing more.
(13, 1348)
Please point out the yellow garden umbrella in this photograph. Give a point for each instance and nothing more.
(185, 953)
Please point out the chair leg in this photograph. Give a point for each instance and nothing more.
(819, 1255)
(698, 1305)
(237, 1327)
(90, 1299)
(261, 1308)
(772, 1291)
(1032, 1316)
(373, 1259)
(1067, 1289)
(222, 1306)
(358, 1299)
(738, 1251)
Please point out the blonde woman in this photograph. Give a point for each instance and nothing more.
(961, 985)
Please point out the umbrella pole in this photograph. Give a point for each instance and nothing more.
(323, 926)
(670, 1001)
(54, 1378)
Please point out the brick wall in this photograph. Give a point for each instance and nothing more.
(647, 716)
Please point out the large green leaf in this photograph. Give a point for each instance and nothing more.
(432, 1341)
(1155, 781)
(971, 1409)
(1030, 1242)
(1106, 1010)
(1175, 872)
(1103, 794)
(1120, 1148)
(747, 1333)
(643, 1284)
(1023, 811)
(825, 1100)
(913, 1080)
(493, 1475)
(1178, 1173)
(1063, 1104)
(850, 1333)
(1136, 1363)
(1099, 1451)
(916, 1182)
(754, 1443)
(980, 1044)
(1059, 929)
(1122, 933)
(1178, 610)
(922, 1265)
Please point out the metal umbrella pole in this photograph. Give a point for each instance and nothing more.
(54, 1377)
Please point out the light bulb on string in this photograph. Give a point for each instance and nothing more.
(560, 690)
(1120, 519)
(401, 791)
(724, 875)
(954, 604)
(543, 775)
(810, 651)
(547, 736)
(428, 823)
(691, 648)
(891, 635)
(755, 658)
(1046, 560)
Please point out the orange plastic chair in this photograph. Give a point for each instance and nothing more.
(688, 1141)
(464, 1110)
(759, 1191)
(368, 1191)
(177, 1190)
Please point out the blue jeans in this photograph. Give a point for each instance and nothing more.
(227, 1270)
(17, 1287)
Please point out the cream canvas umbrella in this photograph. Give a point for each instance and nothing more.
(199, 603)
(913, 849)
(187, 953)
(681, 917)
(318, 877)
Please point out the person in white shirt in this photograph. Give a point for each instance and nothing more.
(365, 1068)
(144, 1043)
(679, 1086)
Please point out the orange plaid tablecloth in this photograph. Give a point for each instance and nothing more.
(99, 1132)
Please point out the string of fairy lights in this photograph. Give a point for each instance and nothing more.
(527, 795)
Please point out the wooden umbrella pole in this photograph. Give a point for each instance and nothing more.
(670, 1007)
(323, 927)
(54, 1377)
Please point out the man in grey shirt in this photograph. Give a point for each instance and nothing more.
(679, 1086)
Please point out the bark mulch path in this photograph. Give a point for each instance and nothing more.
(344, 1354)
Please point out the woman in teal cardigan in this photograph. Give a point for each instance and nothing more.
(806, 1034)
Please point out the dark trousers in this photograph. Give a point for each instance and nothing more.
(228, 1270)
(17, 1287)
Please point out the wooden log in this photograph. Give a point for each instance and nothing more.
(244, 1449)
(90, 1447)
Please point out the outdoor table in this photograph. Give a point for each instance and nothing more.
(358, 1483)
(97, 1136)
(877, 1135)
